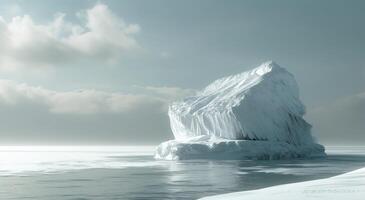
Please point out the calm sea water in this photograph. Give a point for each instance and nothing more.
(80, 173)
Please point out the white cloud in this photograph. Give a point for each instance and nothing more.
(87, 101)
(169, 93)
(37, 115)
(103, 37)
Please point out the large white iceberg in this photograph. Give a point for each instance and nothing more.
(255, 114)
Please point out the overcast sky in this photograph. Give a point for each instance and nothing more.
(103, 72)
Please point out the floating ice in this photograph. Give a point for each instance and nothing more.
(255, 114)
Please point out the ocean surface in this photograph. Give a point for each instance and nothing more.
(117, 172)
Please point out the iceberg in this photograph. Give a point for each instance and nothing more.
(256, 114)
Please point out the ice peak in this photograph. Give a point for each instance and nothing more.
(266, 67)
(270, 63)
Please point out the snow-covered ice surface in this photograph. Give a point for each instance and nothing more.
(350, 186)
(256, 114)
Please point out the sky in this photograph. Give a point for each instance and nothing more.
(104, 72)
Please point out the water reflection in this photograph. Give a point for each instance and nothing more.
(215, 177)
(115, 176)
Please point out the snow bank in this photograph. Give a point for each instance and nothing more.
(257, 113)
(349, 186)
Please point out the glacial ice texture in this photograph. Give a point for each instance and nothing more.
(258, 105)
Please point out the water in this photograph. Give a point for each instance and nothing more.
(80, 173)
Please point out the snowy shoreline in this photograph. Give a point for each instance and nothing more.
(350, 186)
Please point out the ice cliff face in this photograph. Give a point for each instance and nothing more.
(255, 114)
(261, 104)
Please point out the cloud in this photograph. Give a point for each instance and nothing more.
(87, 101)
(167, 93)
(103, 36)
(340, 122)
(37, 115)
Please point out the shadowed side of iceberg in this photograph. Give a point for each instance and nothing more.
(235, 150)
